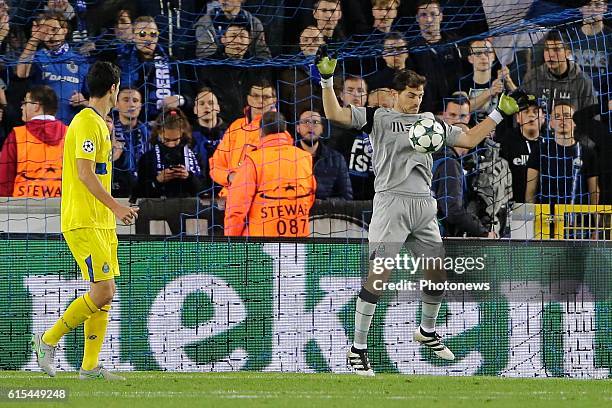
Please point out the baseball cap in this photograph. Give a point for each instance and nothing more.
(532, 100)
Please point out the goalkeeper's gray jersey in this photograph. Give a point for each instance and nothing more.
(397, 166)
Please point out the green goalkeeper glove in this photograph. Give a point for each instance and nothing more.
(326, 65)
(509, 104)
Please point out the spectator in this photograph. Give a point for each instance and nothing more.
(235, 41)
(590, 121)
(12, 42)
(591, 46)
(123, 180)
(123, 29)
(457, 109)
(230, 81)
(61, 6)
(354, 91)
(488, 176)
(117, 43)
(148, 68)
(299, 86)
(440, 61)
(31, 158)
(327, 15)
(384, 13)
(482, 89)
(518, 143)
(329, 167)
(56, 65)
(563, 170)
(354, 144)
(170, 169)
(12, 37)
(242, 136)
(134, 133)
(4, 22)
(274, 187)
(381, 98)
(211, 28)
(560, 79)
(450, 187)
(394, 59)
(208, 130)
(311, 39)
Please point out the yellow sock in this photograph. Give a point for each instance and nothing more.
(95, 330)
(79, 310)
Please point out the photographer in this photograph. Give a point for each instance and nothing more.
(170, 169)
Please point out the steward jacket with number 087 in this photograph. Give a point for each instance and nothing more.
(272, 192)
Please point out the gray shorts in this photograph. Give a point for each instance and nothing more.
(401, 219)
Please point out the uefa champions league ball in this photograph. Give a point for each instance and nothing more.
(426, 135)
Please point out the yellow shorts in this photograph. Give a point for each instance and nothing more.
(95, 251)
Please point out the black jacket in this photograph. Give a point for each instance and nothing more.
(599, 132)
(231, 84)
(355, 147)
(442, 65)
(450, 191)
(147, 185)
(331, 174)
(515, 148)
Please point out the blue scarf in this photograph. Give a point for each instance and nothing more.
(147, 75)
(191, 162)
(64, 48)
(135, 143)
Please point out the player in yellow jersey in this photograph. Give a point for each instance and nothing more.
(88, 224)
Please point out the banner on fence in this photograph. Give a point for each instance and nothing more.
(221, 306)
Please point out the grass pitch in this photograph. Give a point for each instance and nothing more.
(251, 389)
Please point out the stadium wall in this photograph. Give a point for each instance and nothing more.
(288, 306)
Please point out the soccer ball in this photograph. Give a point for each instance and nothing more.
(426, 135)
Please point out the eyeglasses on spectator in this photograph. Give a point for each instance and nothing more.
(310, 122)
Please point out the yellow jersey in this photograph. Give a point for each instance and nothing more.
(87, 138)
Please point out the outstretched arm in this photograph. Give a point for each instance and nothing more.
(333, 111)
(507, 106)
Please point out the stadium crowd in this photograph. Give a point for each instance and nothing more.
(198, 80)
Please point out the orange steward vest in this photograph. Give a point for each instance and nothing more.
(240, 138)
(285, 189)
(39, 166)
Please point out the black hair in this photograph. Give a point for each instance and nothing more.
(408, 79)
(46, 97)
(273, 122)
(243, 25)
(394, 35)
(556, 36)
(458, 98)
(426, 3)
(101, 77)
(261, 83)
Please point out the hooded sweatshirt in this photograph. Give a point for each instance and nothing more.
(47, 129)
(573, 86)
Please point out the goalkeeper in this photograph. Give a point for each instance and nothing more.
(403, 207)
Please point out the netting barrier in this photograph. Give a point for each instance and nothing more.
(474, 48)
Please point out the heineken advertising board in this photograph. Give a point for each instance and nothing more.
(236, 305)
